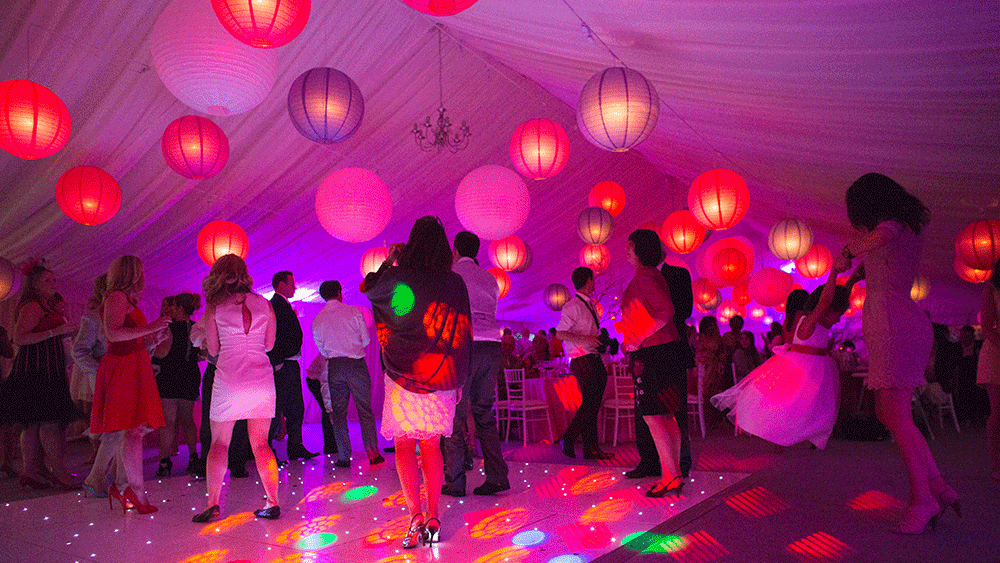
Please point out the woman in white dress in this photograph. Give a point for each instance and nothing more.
(988, 370)
(240, 329)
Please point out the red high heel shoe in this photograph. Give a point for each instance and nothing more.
(132, 498)
(415, 534)
(113, 494)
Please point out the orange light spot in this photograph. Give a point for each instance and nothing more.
(611, 510)
(213, 556)
(593, 482)
(509, 554)
(325, 491)
(397, 498)
(495, 522)
(226, 524)
(387, 533)
(308, 528)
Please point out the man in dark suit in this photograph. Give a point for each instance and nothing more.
(679, 282)
(284, 359)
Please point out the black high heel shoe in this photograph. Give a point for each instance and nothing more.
(211, 513)
(166, 466)
(432, 532)
(674, 487)
(415, 534)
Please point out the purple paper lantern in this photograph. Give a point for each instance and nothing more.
(325, 105)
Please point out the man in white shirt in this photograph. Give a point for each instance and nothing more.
(480, 387)
(341, 336)
(578, 329)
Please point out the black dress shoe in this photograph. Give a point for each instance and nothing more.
(597, 454)
(376, 460)
(238, 472)
(641, 472)
(567, 448)
(299, 452)
(389, 450)
(211, 513)
(445, 490)
(342, 463)
(488, 488)
(272, 513)
(674, 487)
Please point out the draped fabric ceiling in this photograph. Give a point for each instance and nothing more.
(800, 97)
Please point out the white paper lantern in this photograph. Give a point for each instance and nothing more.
(492, 202)
(618, 108)
(204, 66)
(790, 239)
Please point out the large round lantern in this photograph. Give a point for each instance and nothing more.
(703, 290)
(756, 312)
(556, 296)
(816, 262)
(921, 288)
(719, 199)
(594, 225)
(353, 204)
(263, 24)
(681, 232)
(741, 294)
(325, 105)
(978, 245)
(857, 298)
(508, 253)
(34, 121)
(790, 239)
(503, 281)
(204, 66)
(88, 195)
(713, 304)
(527, 260)
(618, 108)
(730, 265)
(609, 195)
(492, 202)
(971, 274)
(195, 147)
(219, 238)
(539, 148)
(439, 7)
(372, 259)
(7, 276)
(728, 310)
(770, 286)
(597, 257)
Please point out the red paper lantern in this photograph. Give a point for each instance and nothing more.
(439, 7)
(770, 287)
(263, 23)
(681, 232)
(978, 245)
(715, 302)
(719, 199)
(556, 296)
(597, 257)
(757, 312)
(539, 148)
(195, 147)
(509, 253)
(858, 295)
(503, 281)
(219, 238)
(599, 309)
(728, 310)
(372, 259)
(816, 262)
(921, 288)
(34, 122)
(780, 307)
(609, 195)
(88, 195)
(705, 260)
(353, 204)
(741, 294)
(703, 290)
(730, 265)
(971, 274)
(527, 260)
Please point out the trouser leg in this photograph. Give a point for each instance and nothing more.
(483, 375)
(329, 442)
(339, 396)
(360, 383)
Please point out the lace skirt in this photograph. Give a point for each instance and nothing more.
(416, 415)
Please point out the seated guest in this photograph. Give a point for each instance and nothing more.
(746, 357)
(555, 345)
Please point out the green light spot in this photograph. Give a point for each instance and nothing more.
(654, 543)
(359, 493)
(316, 541)
(402, 300)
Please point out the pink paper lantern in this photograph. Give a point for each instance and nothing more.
(681, 232)
(719, 199)
(978, 245)
(503, 281)
(219, 238)
(741, 294)
(770, 286)
(372, 259)
(492, 202)
(730, 265)
(609, 195)
(88, 195)
(815, 263)
(756, 312)
(539, 148)
(597, 257)
(263, 23)
(34, 121)
(439, 7)
(508, 253)
(353, 204)
(706, 261)
(556, 296)
(194, 147)
(728, 310)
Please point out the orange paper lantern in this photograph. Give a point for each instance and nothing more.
(372, 259)
(88, 195)
(195, 147)
(858, 295)
(508, 253)
(608, 195)
(730, 265)
(703, 290)
(971, 274)
(503, 281)
(681, 232)
(556, 296)
(790, 239)
(34, 121)
(815, 263)
(978, 245)
(527, 260)
(719, 199)
(263, 23)
(219, 238)
(539, 148)
(597, 257)
(741, 294)
(728, 310)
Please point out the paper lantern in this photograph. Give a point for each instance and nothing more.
(372, 259)
(219, 238)
(741, 294)
(710, 305)
(707, 269)
(618, 108)
(325, 105)
(681, 232)
(8, 274)
(815, 263)
(921, 288)
(503, 281)
(439, 7)
(353, 204)
(978, 245)
(88, 195)
(703, 290)
(556, 296)
(971, 274)
(597, 257)
(492, 202)
(719, 199)
(204, 66)
(508, 253)
(195, 147)
(34, 121)
(857, 298)
(539, 148)
(599, 309)
(609, 195)
(527, 260)
(263, 23)
(790, 239)
(594, 225)
(728, 310)
(756, 312)
(730, 265)
(770, 287)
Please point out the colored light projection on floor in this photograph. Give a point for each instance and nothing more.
(611, 510)
(304, 558)
(699, 547)
(595, 482)
(397, 498)
(402, 300)
(579, 537)
(359, 493)
(388, 533)
(213, 556)
(324, 492)
(818, 547)
(302, 530)
(713, 458)
(407, 557)
(226, 524)
(530, 538)
(877, 505)
(509, 554)
(756, 503)
(495, 522)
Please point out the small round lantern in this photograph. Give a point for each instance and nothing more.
(618, 108)
(492, 202)
(597, 257)
(921, 288)
(719, 199)
(527, 260)
(770, 287)
(978, 245)
(599, 309)
(325, 105)
(439, 7)
(219, 238)
(556, 296)
(756, 312)
(790, 239)
(503, 281)
(707, 265)
(263, 24)
(8, 274)
(88, 195)
(728, 310)
(594, 225)
(539, 148)
(703, 290)
(714, 303)
(971, 275)
(741, 294)
(508, 253)
(681, 232)
(730, 265)
(34, 121)
(858, 295)
(353, 204)
(609, 195)
(194, 147)
(815, 263)
(372, 259)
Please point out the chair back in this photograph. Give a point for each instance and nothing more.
(514, 379)
(622, 380)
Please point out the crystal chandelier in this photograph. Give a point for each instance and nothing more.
(439, 136)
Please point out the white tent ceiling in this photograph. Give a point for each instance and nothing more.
(799, 97)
